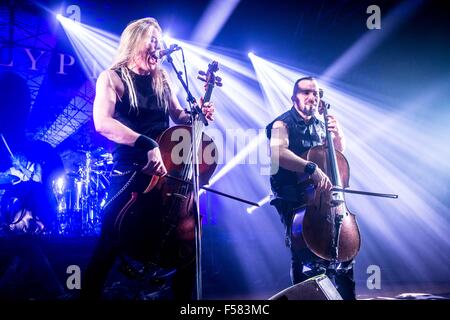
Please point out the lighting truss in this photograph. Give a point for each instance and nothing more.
(73, 117)
(20, 30)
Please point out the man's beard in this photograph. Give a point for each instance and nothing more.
(309, 109)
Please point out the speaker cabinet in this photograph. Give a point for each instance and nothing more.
(316, 288)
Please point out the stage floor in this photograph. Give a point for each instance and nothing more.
(19, 281)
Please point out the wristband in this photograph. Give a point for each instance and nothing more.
(146, 143)
(310, 168)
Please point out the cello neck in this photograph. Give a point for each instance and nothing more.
(333, 167)
(211, 81)
(208, 92)
(206, 98)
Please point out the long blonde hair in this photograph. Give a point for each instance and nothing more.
(131, 42)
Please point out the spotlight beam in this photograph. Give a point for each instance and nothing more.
(212, 21)
(372, 39)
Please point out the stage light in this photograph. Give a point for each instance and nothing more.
(95, 49)
(59, 16)
(167, 39)
(59, 184)
(251, 54)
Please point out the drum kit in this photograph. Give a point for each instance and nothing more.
(81, 194)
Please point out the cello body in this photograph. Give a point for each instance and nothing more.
(319, 219)
(326, 226)
(157, 225)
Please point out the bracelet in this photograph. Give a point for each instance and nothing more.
(146, 143)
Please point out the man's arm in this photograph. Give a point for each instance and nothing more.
(279, 146)
(114, 130)
(103, 112)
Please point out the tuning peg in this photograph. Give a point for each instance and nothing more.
(201, 78)
(202, 73)
(219, 84)
(218, 78)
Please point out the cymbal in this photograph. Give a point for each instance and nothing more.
(6, 178)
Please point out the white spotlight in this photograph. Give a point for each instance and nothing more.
(167, 38)
(251, 54)
(58, 17)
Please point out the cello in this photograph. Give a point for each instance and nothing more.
(329, 229)
(164, 237)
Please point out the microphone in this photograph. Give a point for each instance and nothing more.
(159, 54)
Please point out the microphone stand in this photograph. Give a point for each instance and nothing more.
(195, 113)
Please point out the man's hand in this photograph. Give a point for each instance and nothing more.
(155, 165)
(333, 127)
(207, 109)
(321, 180)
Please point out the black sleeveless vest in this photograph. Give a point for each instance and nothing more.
(150, 118)
(302, 137)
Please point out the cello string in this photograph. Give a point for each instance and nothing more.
(187, 171)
